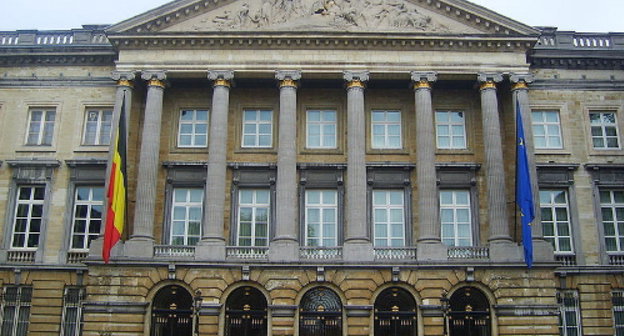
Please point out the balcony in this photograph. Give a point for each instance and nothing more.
(23, 257)
(320, 253)
(175, 252)
(616, 259)
(76, 257)
(395, 253)
(566, 259)
(468, 253)
(247, 253)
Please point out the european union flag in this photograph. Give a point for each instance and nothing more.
(524, 195)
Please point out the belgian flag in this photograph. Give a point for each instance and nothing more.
(116, 193)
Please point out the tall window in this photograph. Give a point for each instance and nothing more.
(612, 210)
(321, 216)
(455, 217)
(193, 128)
(257, 129)
(386, 130)
(617, 301)
(253, 217)
(450, 129)
(16, 301)
(41, 127)
(72, 311)
(28, 217)
(604, 130)
(186, 216)
(97, 129)
(570, 317)
(389, 218)
(547, 130)
(321, 129)
(556, 220)
(87, 220)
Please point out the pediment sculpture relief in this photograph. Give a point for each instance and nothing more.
(349, 15)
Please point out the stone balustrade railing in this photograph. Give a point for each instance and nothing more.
(553, 39)
(88, 35)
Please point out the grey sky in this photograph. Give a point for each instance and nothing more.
(579, 15)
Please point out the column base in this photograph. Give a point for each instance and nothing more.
(432, 252)
(96, 246)
(139, 248)
(358, 252)
(506, 252)
(207, 250)
(284, 251)
(543, 252)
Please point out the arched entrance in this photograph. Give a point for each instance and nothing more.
(246, 313)
(395, 313)
(320, 313)
(469, 313)
(172, 312)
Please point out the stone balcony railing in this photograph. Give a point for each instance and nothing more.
(395, 253)
(19, 256)
(172, 251)
(566, 259)
(553, 39)
(616, 259)
(468, 253)
(320, 253)
(88, 35)
(246, 253)
(77, 257)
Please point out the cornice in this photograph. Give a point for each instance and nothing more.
(329, 41)
(464, 12)
(57, 59)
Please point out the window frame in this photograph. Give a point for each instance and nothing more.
(321, 123)
(257, 133)
(387, 207)
(322, 208)
(187, 205)
(613, 205)
(90, 203)
(252, 177)
(450, 124)
(386, 125)
(602, 126)
(455, 207)
(194, 122)
(99, 123)
(76, 326)
(545, 125)
(42, 124)
(18, 304)
(564, 326)
(30, 203)
(617, 295)
(391, 177)
(552, 206)
(254, 223)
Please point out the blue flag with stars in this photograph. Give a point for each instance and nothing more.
(524, 194)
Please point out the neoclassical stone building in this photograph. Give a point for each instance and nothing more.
(300, 167)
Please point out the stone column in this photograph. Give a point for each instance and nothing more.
(357, 246)
(284, 246)
(141, 241)
(212, 245)
(123, 95)
(501, 246)
(542, 250)
(430, 246)
(494, 166)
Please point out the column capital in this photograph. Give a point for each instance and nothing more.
(423, 80)
(521, 80)
(489, 80)
(356, 78)
(154, 78)
(221, 77)
(288, 78)
(123, 78)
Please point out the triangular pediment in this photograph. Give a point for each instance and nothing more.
(435, 17)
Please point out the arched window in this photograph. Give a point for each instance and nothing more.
(172, 312)
(246, 313)
(469, 313)
(320, 313)
(395, 313)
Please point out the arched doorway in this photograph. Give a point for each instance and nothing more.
(172, 311)
(320, 313)
(395, 313)
(469, 313)
(246, 313)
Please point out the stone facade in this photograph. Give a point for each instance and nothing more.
(411, 59)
